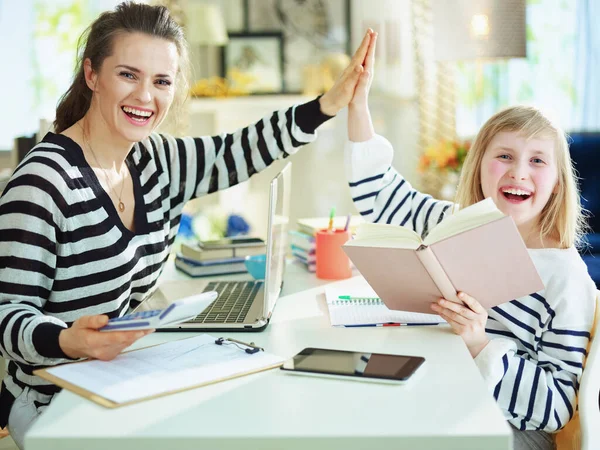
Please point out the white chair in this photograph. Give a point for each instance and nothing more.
(589, 391)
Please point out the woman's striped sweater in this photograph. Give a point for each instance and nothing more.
(534, 361)
(65, 253)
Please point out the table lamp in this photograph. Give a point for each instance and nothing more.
(205, 29)
(473, 30)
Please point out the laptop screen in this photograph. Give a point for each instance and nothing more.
(279, 216)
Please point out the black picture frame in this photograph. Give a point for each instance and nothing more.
(312, 29)
(258, 55)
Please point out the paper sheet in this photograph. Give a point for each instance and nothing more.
(163, 368)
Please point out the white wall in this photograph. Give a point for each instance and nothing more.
(318, 174)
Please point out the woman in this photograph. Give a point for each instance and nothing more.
(89, 216)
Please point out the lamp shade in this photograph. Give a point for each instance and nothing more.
(469, 29)
(205, 25)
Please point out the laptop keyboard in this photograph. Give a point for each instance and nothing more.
(232, 304)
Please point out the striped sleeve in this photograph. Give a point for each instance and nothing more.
(537, 385)
(200, 166)
(29, 210)
(382, 195)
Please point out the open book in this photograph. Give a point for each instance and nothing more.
(477, 250)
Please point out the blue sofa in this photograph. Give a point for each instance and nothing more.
(585, 152)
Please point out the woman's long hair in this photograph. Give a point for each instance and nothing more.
(96, 43)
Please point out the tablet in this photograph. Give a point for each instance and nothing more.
(362, 366)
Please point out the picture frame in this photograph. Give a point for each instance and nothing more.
(254, 62)
(312, 30)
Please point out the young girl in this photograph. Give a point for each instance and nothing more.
(88, 218)
(530, 351)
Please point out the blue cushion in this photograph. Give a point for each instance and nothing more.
(585, 153)
(592, 243)
(593, 264)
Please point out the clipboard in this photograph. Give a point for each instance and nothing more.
(237, 359)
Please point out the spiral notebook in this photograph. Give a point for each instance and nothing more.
(359, 306)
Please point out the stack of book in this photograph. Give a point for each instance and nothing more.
(302, 239)
(303, 249)
(221, 257)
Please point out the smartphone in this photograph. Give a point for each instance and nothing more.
(378, 367)
(232, 242)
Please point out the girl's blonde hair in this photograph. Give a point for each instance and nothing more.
(562, 218)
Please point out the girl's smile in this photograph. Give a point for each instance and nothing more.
(520, 175)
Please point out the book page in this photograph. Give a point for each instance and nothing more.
(465, 219)
(163, 368)
(369, 311)
(384, 235)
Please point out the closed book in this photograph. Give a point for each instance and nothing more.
(310, 266)
(210, 268)
(311, 225)
(234, 242)
(477, 250)
(302, 240)
(196, 253)
(309, 257)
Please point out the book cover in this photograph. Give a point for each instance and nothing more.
(301, 240)
(196, 253)
(210, 268)
(488, 260)
(309, 256)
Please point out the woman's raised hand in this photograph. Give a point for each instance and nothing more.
(342, 92)
(83, 340)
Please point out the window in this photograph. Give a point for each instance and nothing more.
(562, 54)
(39, 40)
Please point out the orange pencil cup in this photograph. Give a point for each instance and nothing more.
(332, 261)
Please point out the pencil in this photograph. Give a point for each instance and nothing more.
(347, 222)
(331, 216)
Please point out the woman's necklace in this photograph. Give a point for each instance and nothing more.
(121, 204)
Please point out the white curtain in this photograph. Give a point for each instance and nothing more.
(586, 111)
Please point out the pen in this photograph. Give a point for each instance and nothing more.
(389, 324)
(347, 223)
(350, 298)
(331, 215)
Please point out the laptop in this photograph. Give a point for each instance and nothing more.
(241, 305)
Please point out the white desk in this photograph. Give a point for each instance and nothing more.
(447, 407)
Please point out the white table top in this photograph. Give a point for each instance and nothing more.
(446, 407)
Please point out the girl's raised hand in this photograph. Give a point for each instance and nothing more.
(467, 321)
(341, 93)
(83, 340)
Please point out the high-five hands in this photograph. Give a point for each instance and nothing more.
(466, 321)
(342, 92)
(361, 92)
